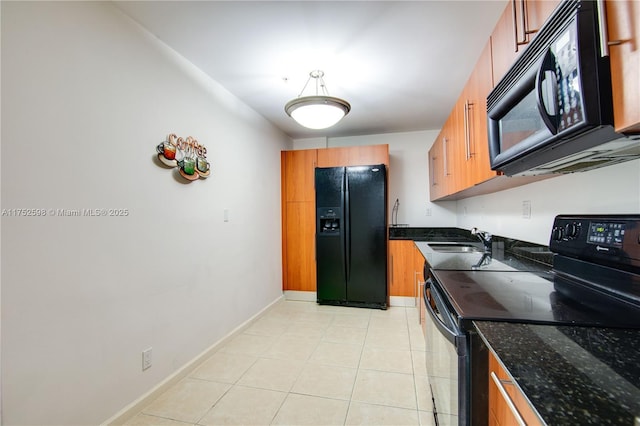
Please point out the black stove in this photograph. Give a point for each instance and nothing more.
(593, 282)
(597, 262)
(595, 279)
(530, 297)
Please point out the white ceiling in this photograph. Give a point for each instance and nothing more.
(401, 64)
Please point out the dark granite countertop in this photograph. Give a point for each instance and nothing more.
(429, 234)
(519, 254)
(571, 375)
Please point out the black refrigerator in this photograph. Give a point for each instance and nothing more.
(351, 236)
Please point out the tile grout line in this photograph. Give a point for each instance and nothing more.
(289, 392)
(353, 388)
(413, 369)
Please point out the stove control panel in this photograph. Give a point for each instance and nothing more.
(607, 234)
(612, 239)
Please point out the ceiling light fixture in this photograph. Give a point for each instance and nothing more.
(318, 111)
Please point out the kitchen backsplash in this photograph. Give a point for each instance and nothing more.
(532, 252)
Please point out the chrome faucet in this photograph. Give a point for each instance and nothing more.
(483, 236)
(484, 261)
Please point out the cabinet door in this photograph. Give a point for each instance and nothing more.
(366, 155)
(459, 176)
(444, 158)
(459, 157)
(537, 12)
(333, 157)
(503, 389)
(440, 164)
(299, 259)
(436, 170)
(623, 21)
(477, 141)
(456, 152)
(450, 149)
(517, 26)
(505, 42)
(354, 156)
(402, 277)
(298, 175)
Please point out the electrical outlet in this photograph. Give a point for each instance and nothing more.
(526, 209)
(428, 211)
(146, 358)
(226, 215)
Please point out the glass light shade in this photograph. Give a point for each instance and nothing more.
(317, 112)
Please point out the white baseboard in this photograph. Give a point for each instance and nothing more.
(407, 302)
(136, 406)
(311, 296)
(304, 296)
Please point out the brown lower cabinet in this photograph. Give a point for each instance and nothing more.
(299, 256)
(507, 405)
(401, 271)
(405, 267)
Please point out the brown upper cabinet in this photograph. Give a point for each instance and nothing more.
(437, 187)
(298, 166)
(474, 129)
(441, 159)
(517, 26)
(459, 157)
(353, 156)
(623, 22)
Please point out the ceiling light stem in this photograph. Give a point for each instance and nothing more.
(306, 84)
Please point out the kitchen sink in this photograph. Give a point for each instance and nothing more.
(454, 247)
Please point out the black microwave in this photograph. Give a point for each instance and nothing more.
(552, 112)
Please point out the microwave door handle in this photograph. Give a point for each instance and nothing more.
(547, 72)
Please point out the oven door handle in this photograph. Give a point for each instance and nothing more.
(451, 333)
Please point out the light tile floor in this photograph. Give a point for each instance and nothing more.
(306, 364)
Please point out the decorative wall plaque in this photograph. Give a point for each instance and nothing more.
(188, 155)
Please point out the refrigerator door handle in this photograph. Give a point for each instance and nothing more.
(343, 230)
(347, 226)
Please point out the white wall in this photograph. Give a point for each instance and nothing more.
(609, 190)
(86, 97)
(614, 189)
